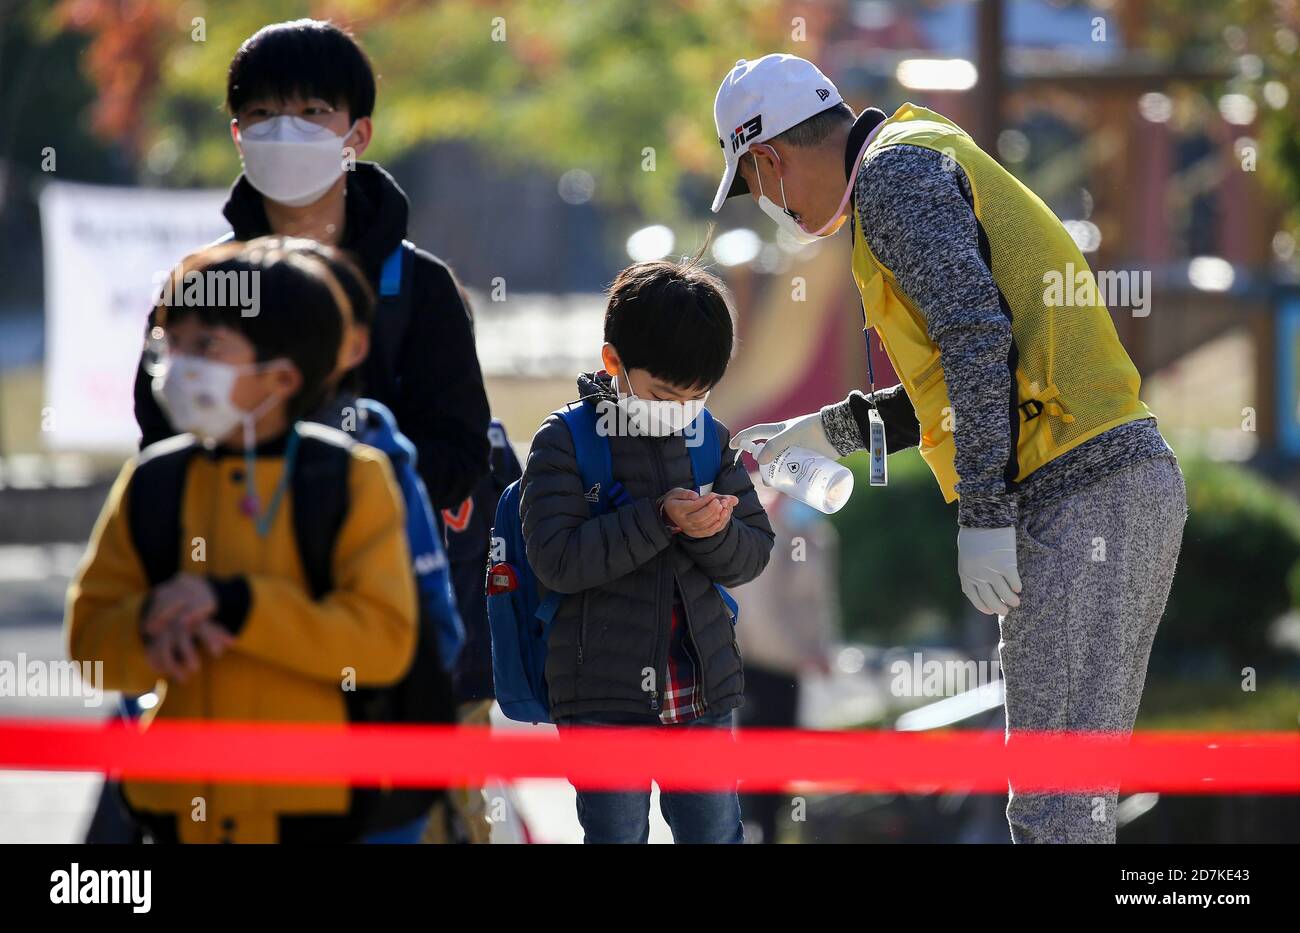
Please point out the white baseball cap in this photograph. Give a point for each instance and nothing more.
(762, 99)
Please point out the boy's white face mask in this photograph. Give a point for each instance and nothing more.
(657, 417)
(291, 160)
(195, 393)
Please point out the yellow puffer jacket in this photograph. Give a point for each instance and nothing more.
(291, 654)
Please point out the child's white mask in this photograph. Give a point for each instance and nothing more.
(195, 393)
(657, 417)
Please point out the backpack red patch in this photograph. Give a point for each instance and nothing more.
(501, 578)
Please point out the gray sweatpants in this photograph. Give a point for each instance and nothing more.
(1096, 567)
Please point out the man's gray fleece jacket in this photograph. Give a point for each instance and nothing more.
(608, 649)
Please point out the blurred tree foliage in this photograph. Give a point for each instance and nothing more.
(898, 556)
(564, 83)
(1240, 547)
(1258, 43)
(39, 105)
(571, 83)
(42, 100)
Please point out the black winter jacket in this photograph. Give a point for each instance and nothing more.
(621, 568)
(437, 392)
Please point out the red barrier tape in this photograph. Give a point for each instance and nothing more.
(687, 759)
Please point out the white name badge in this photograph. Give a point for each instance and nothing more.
(879, 467)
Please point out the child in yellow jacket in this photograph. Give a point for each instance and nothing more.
(231, 628)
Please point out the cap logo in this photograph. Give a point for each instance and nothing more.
(823, 93)
(746, 131)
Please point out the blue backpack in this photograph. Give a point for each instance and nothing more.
(519, 620)
(428, 555)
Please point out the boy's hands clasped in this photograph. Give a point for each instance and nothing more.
(695, 515)
(178, 621)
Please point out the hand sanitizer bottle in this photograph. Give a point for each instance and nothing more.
(808, 476)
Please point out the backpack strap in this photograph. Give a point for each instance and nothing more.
(153, 505)
(596, 472)
(706, 456)
(394, 311)
(706, 460)
(595, 465)
(390, 276)
(320, 477)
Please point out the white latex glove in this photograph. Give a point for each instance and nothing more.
(804, 431)
(986, 564)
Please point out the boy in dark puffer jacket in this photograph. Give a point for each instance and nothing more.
(644, 636)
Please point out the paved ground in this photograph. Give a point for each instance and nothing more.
(38, 806)
(56, 807)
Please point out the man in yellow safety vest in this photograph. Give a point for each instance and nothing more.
(1070, 505)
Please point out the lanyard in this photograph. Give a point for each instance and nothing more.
(866, 333)
(251, 502)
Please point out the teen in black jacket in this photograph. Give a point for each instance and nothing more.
(309, 77)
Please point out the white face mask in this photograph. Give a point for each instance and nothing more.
(783, 216)
(291, 160)
(195, 393)
(657, 417)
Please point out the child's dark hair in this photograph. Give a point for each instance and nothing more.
(673, 319)
(303, 306)
(302, 58)
(358, 290)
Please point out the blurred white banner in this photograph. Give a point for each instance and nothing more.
(105, 251)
